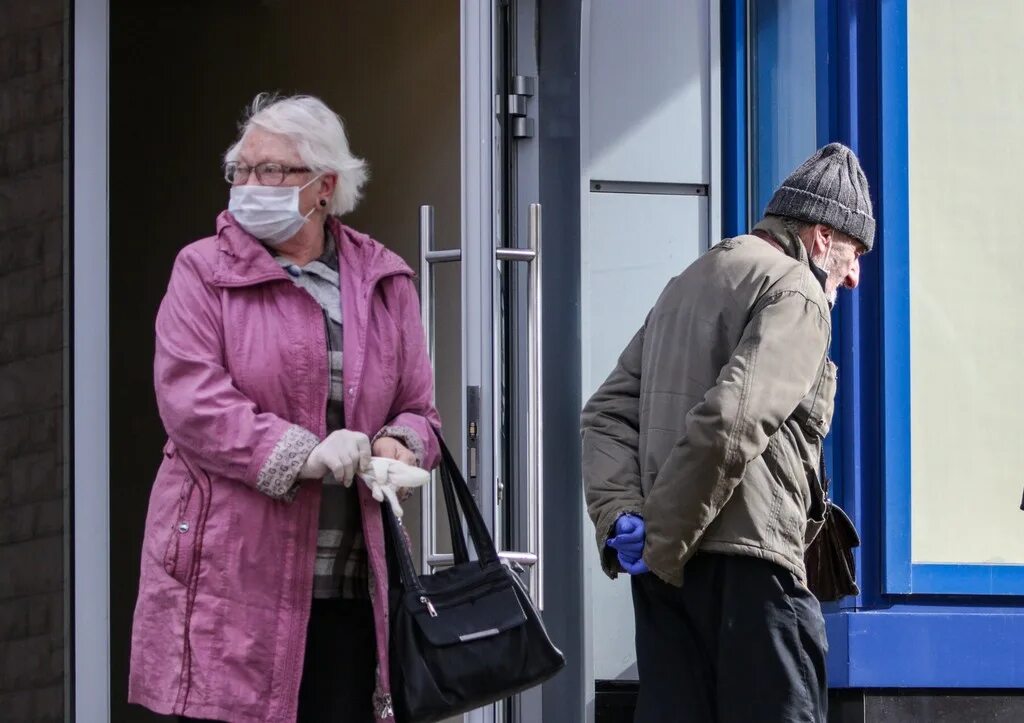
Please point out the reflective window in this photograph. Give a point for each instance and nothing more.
(783, 105)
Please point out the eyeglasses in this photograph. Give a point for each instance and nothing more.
(268, 174)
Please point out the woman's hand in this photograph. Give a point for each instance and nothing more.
(393, 449)
(342, 454)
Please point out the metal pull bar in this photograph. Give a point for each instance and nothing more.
(535, 456)
(526, 559)
(429, 257)
(440, 257)
(535, 452)
(515, 254)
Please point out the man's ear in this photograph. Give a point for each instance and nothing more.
(824, 237)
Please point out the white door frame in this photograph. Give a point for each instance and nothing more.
(479, 201)
(90, 474)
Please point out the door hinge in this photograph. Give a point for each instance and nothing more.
(523, 88)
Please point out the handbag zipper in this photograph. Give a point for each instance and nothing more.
(467, 593)
(430, 606)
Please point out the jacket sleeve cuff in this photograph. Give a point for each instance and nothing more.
(605, 527)
(278, 477)
(405, 435)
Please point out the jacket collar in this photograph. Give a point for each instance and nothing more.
(791, 244)
(244, 261)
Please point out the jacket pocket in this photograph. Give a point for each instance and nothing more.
(815, 411)
(180, 556)
(792, 458)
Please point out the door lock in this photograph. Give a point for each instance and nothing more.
(473, 440)
(472, 431)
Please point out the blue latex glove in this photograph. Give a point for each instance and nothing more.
(638, 567)
(628, 542)
(629, 536)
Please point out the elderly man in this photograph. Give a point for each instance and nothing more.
(701, 458)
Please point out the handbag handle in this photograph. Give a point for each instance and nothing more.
(455, 487)
(456, 496)
(459, 550)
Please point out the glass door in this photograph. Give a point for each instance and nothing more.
(650, 206)
(498, 324)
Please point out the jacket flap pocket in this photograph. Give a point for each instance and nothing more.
(470, 618)
(179, 557)
(815, 411)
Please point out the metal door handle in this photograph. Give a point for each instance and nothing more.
(535, 452)
(526, 559)
(429, 257)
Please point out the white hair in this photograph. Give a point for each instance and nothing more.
(318, 134)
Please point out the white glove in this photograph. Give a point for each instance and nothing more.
(342, 454)
(386, 476)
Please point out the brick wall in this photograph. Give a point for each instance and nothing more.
(32, 499)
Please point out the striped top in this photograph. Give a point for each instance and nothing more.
(342, 568)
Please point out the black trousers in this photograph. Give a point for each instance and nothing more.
(740, 642)
(341, 657)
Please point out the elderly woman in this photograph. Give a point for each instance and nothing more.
(288, 350)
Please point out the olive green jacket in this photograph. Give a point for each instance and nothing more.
(710, 426)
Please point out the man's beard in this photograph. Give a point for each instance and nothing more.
(828, 264)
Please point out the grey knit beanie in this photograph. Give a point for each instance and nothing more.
(829, 188)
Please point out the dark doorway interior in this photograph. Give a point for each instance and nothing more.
(181, 73)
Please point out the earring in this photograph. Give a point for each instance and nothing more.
(323, 203)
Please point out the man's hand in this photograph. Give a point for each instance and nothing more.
(393, 449)
(628, 542)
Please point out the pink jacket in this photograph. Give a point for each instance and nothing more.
(242, 383)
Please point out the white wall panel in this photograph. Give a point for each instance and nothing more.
(634, 244)
(646, 98)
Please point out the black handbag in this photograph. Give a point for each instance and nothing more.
(829, 560)
(465, 636)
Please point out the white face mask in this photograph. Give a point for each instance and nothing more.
(270, 213)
